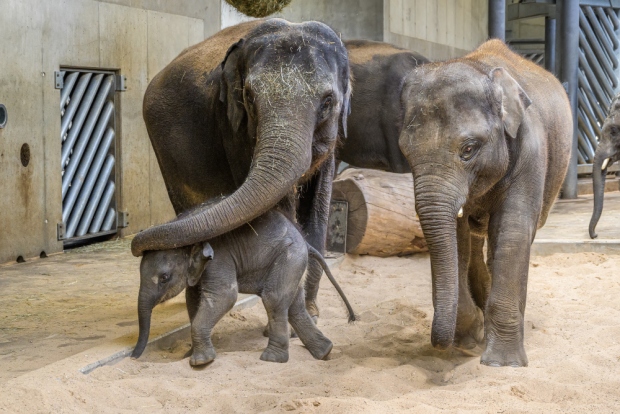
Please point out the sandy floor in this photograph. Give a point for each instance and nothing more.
(383, 363)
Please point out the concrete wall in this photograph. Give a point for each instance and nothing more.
(40, 36)
(354, 19)
(438, 29)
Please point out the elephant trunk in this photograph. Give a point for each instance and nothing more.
(145, 309)
(282, 155)
(599, 172)
(438, 212)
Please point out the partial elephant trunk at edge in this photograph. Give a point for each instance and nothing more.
(598, 183)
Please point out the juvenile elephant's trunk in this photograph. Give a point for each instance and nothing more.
(283, 154)
(601, 162)
(145, 309)
(438, 214)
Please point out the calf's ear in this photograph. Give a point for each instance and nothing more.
(199, 255)
(514, 100)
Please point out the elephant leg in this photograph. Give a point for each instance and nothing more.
(313, 214)
(279, 290)
(216, 299)
(479, 277)
(313, 339)
(511, 232)
(192, 300)
(469, 319)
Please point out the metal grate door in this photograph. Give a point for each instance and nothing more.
(598, 75)
(88, 153)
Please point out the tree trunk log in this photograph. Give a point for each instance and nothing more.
(381, 219)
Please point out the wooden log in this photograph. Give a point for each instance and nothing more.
(381, 219)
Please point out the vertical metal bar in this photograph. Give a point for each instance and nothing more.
(109, 220)
(569, 41)
(78, 119)
(66, 90)
(497, 19)
(83, 185)
(95, 227)
(75, 102)
(550, 44)
(81, 145)
(96, 194)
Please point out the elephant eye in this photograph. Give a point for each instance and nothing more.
(326, 105)
(468, 151)
(165, 278)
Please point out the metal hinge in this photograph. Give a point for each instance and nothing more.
(59, 79)
(60, 230)
(121, 83)
(122, 220)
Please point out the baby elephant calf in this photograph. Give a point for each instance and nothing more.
(268, 258)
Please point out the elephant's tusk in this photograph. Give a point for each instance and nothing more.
(605, 163)
(460, 214)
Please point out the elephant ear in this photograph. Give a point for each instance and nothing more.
(200, 254)
(231, 85)
(514, 100)
(346, 105)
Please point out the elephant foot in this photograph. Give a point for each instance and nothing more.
(272, 354)
(202, 357)
(469, 336)
(322, 349)
(504, 356)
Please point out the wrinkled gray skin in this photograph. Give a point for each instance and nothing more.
(608, 149)
(268, 258)
(253, 111)
(488, 138)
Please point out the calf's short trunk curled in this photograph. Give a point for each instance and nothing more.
(283, 154)
(438, 214)
(145, 309)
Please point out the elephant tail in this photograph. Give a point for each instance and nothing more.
(312, 252)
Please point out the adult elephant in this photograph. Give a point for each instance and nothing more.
(378, 70)
(253, 112)
(607, 152)
(488, 138)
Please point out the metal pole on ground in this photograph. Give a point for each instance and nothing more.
(568, 74)
(497, 19)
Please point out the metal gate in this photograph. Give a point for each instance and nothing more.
(598, 75)
(88, 153)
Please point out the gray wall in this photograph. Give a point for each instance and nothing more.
(355, 19)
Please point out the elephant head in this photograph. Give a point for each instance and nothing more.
(163, 275)
(607, 152)
(460, 124)
(283, 90)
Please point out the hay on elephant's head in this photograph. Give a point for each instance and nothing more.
(258, 8)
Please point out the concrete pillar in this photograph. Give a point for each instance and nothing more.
(568, 40)
(497, 19)
(550, 40)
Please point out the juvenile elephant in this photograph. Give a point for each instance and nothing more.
(607, 152)
(252, 111)
(378, 71)
(268, 257)
(488, 139)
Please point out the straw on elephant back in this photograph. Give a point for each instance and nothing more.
(258, 8)
(381, 220)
